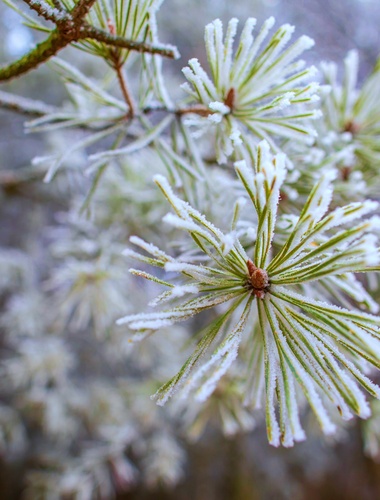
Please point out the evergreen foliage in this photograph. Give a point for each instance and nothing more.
(271, 171)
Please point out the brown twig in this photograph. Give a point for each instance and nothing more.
(113, 40)
(81, 9)
(58, 5)
(49, 13)
(196, 110)
(124, 90)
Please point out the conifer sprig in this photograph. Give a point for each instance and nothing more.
(260, 91)
(306, 342)
(73, 26)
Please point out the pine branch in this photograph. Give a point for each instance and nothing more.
(118, 41)
(58, 5)
(56, 15)
(71, 28)
(40, 54)
(81, 9)
(124, 89)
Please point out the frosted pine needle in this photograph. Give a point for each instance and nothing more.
(259, 90)
(306, 343)
(351, 115)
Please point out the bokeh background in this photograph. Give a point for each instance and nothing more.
(244, 467)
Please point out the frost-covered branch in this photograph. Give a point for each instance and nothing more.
(305, 341)
(72, 28)
(45, 10)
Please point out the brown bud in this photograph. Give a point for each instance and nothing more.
(352, 127)
(258, 279)
(230, 98)
(111, 27)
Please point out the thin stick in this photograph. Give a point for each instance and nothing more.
(124, 90)
(81, 9)
(118, 41)
(45, 10)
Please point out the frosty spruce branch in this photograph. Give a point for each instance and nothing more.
(250, 198)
